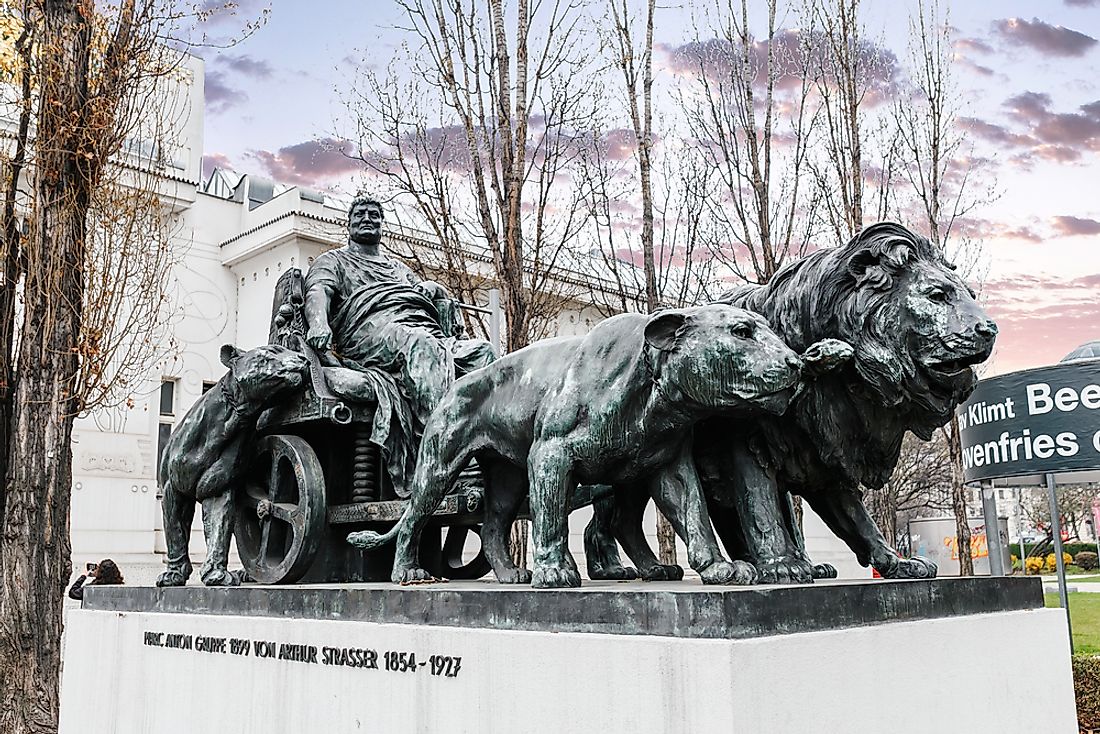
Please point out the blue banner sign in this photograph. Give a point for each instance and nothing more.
(1038, 421)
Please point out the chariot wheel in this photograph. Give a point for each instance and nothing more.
(453, 567)
(281, 510)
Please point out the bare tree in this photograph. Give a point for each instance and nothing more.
(17, 71)
(748, 111)
(919, 485)
(1074, 507)
(851, 74)
(491, 161)
(636, 70)
(937, 163)
(95, 75)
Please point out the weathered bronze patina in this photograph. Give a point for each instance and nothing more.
(917, 333)
(368, 312)
(615, 407)
(208, 451)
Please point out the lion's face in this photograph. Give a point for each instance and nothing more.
(721, 357)
(263, 374)
(945, 330)
(919, 331)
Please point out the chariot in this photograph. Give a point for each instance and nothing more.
(314, 476)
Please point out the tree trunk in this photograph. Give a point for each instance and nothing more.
(35, 550)
(11, 260)
(643, 137)
(517, 543)
(958, 501)
(882, 503)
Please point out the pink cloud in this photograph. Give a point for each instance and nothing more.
(717, 58)
(975, 45)
(210, 161)
(1069, 226)
(1062, 137)
(245, 65)
(308, 163)
(1041, 319)
(1044, 38)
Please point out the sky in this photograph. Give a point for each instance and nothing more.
(1028, 72)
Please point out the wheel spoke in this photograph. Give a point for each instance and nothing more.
(273, 479)
(285, 485)
(284, 511)
(265, 539)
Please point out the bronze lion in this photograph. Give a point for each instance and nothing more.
(917, 332)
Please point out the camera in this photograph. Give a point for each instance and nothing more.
(92, 567)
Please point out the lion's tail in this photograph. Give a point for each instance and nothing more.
(368, 539)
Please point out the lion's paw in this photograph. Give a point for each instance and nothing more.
(221, 577)
(785, 570)
(612, 573)
(172, 578)
(412, 575)
(514, 576)
(910, 568)
(737, 573)
(824, 571)
(663, 573)
(555, 577)
(826, 355)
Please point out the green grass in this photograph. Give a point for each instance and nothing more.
(1084, 615)
(1087, 580)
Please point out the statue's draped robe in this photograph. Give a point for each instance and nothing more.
(385, 327)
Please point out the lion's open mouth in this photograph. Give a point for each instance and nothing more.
(950, 368)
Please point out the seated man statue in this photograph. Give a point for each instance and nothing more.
(367, 312)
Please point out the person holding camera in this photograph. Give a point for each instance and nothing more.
(102, 573)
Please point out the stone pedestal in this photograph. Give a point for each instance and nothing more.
(916, 656)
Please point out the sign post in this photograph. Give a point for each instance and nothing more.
(992, 530)
(1056, 531)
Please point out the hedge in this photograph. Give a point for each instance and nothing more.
(1086, 688)
(1072, 548)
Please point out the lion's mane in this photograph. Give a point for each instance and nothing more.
(852, 421)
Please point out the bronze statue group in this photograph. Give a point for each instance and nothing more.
(719, 413)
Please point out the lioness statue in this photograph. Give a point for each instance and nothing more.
(614, 407)
(917, 333)
(205, 455)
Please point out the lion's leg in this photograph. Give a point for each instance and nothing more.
(550, 472)
(678, 494)
(217, 523)
(507, 486)
(601, 552)
(753, 517)
(444, 453)
(630, 504)
(842, 510)
(179, 512)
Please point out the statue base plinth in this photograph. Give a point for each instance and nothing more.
(913, 656)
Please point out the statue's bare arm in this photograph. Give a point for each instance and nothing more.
(318, 297)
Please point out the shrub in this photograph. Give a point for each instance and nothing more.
(1033, 566)
(1087, 560)
(1086, 688)
(1051, 563)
